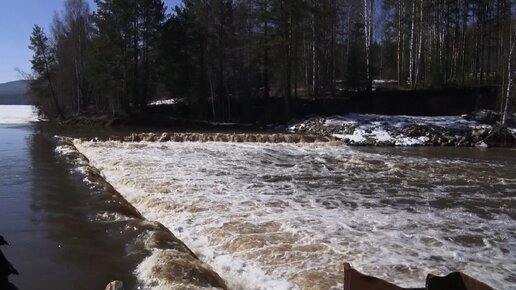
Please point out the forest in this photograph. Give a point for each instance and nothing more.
(225, 58)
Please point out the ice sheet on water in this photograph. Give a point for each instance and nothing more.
(17, 114)
(280, 216)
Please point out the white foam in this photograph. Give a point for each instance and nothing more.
(280, 216)
(18, 114)
(159, 258)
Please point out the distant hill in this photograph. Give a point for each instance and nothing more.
(14, 93)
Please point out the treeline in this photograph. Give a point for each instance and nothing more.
(225, 57)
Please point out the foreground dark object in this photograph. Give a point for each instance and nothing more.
(354, 280)
(6, 269)
(454, 281)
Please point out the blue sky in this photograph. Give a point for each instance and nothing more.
(17, 17)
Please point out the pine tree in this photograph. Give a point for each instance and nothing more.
(42, 64)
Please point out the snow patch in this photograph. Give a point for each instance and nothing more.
(166, 102)
(399, 130)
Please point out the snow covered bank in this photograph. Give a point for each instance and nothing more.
(383, 130)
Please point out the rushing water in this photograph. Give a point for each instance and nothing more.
(280, 216)
(46, 214)
(265, 216)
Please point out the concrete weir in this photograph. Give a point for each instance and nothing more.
(177, 266)
(222, 137)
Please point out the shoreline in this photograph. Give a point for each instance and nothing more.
(478, 129)
(176, 263)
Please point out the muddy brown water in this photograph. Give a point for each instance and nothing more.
(48, 213)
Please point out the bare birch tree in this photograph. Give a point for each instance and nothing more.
(508, 92)
(368, 39)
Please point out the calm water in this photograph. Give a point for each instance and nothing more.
(46, 213)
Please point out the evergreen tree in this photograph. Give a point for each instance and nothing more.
(43, 62)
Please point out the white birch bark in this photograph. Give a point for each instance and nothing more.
(505, 113)
(418, 63)
(411, 50)
(368, 35)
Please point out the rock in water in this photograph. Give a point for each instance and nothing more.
(3, 241)
(354, 280)
(454, 281)
(6, 268)
(115, 285)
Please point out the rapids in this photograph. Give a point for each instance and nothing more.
(286, 216)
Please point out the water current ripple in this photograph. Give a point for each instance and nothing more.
(279, 216)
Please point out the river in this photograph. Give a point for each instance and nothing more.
(46, 214)
(287, 216)
(264, 216)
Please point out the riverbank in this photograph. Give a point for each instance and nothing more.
(480, 128)
(238, 219)
(168, 262)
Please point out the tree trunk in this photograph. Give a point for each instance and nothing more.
(420, 45)
(506, 112)
(266, 93)
(77, 87)
(368, 37)
(463, 49)
(412, 45)
(314, 60)
(52, 90)
(136, 85)
(288, 85)
(400, 44)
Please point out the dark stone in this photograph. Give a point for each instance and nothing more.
(354, 280)
(455, 281)
(3, 241)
